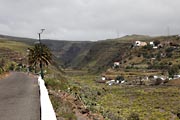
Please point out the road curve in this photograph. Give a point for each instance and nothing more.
(19, 97)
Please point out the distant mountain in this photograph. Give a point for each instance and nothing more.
(93, 56)
(135, 36)
(19, 39)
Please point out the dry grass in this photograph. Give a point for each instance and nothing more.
(13, 45)
(119, 102)
(174, 82)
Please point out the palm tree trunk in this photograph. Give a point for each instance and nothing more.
(42, 74)
(35, 70)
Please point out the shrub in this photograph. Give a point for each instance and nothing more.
(156, 42)
(166, 81)
(56, 84)
(111, 116)
(148, 47)
(170, 49)
(173, 70)
(120, 78)
(158, 81)
(146, 55)
(170, 63)
(12, 67)
(116, 66)
(151, 77)
(130, 58)
(133, 116)
(98, 93)
(178, 115)
(169, 55)
(139, 55)
(128, 67)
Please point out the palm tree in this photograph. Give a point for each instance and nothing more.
(40, 55)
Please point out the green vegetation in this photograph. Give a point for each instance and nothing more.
(63, 109)
(116, 102)
(173, 70)
(40, 56)
(55, 82)
(123, 102)
(14, 46)
(12, 55)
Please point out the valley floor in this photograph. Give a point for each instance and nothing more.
(126, 102)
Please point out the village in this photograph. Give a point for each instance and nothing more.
(115, 76)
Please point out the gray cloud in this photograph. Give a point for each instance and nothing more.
(88, 19)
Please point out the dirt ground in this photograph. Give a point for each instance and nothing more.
(77, 107)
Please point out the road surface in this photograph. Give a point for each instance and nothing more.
(19, 97)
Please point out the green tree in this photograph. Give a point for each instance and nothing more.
(148, 47)
(173, 70)
(39, 55)
(156, 42)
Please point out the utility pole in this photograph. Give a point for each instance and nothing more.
(117, 32)
(41, 51)
(168, 30)
(28, 67)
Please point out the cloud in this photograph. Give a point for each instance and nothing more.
(88, 19)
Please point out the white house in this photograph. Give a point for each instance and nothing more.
(155, 47)
(161, 77)
(176, 76)
(103, 78)
(123, 81)
(139, 43)
(151, 43)
(116, 64)
(111, 82)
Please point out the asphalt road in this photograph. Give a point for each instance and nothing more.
(19, 97)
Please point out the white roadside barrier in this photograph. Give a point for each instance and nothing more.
(47, 111)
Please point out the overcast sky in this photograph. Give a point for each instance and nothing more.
(88, 19)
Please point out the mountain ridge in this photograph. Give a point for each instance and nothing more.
(93, 56)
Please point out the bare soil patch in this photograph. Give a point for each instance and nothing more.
(78, 108)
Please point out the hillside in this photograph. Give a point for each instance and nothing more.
(13, 55)
(100, 55)
(142, 96)
(68, 53)
(82, 54)
(28, 41)
(92, 56)
(141, 62)
(81, 92)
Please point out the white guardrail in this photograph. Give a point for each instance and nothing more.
(47, 111)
